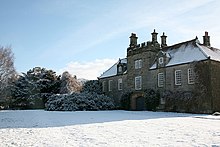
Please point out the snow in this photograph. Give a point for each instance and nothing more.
(188, 52)
(213, 53)
(185, 54)
(107, 128)
(112, 71)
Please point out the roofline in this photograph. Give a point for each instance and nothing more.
(109, 68)
(184, 63)
(181, 43)
(112, 76)
(202, 50)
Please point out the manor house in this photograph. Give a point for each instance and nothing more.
(190, 67)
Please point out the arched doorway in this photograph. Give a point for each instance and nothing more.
(138, 101)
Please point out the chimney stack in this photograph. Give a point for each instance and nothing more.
(133, 40)
(206, 40)
(154, 36)
(163, 40)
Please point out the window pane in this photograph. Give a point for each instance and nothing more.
(110, 85)
(190, 76)
(178, 77)
(161, 60)
(160, 80)
(136, 64)
(138, 83)
(119, 69)
(119, 84)
(140, 63)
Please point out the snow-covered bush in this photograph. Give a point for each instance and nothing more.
(79, 102)
(92, 86)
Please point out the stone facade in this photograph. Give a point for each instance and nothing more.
(111, 87)
(189, 68)
(215, 85)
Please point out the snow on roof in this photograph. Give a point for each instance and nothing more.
(212, 53)
(189, 51)
(184, 54)
(112, 71)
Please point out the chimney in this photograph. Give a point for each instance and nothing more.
(206, 39)
(154, 36)
(163, 40)
(133, 40)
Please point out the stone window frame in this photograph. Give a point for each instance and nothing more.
(178, 77)
(138, 83)
(160, 79)
(104, 86)
(110, 85)
(120, 84)
(138, 64)
(190, 73)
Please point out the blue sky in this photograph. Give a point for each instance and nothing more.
(86, 37)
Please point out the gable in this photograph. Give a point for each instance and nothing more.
(112, 71)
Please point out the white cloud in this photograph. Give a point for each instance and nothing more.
(88, 70)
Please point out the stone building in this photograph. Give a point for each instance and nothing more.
(189, 71)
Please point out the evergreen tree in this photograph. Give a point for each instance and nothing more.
(32, 89)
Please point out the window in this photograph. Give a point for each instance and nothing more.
(178, 80)
(161, 60)
(119, 69)
(190, 76)
(160, 79)
(138, 83)
(103, 86)
(138, 64)
(110, 85)
(119, 84)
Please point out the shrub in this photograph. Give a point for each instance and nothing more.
(152, 99)
(79, 102)
(93, 86)
(183, 101)
(125, 101)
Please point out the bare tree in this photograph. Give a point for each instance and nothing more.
(7, 72)
(69, 83)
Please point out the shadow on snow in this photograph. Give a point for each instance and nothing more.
(45, 119)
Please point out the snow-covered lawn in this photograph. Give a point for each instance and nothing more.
(107, 128)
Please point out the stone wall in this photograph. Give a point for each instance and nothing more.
(203, 87)
(115, 93)
(169, 77)
(197, 97)
(215, 85)
(147, 56)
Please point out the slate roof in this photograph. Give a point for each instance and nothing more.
(189, 51)
(112, 71)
